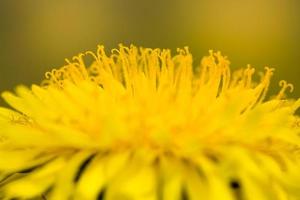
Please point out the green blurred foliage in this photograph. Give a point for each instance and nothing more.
(36, 36)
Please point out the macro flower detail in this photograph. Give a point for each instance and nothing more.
(141, 124)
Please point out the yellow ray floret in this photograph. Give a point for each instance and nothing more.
(141, 124)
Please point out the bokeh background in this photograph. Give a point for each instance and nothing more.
(37, 35)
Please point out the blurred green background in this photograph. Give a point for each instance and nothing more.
(36, 36)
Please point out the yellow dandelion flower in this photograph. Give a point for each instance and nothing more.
(141, 124)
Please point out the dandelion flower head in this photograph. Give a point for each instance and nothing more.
(142, 124)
